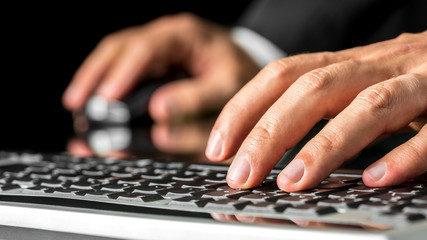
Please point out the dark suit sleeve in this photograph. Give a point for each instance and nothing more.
(313, 25)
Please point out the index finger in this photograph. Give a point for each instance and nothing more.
(89, 74)
(251, 102)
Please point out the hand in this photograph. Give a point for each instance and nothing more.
(365, 91)
(218, 67)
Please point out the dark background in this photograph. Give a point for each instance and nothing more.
(43, 45)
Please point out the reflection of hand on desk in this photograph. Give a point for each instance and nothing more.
(187, 138)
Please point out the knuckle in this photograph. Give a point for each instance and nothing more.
(186, 17)
(324, 143)
(231, 109)
(377, 98)
(316, 80)
(278, 68)
(111, 39)
(416, 151)
(264, 133)
(185, 20)
(404, 36)
(408, 42)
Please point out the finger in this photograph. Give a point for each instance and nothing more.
(127, 68)
(249, 104)
(382, 108)
(418, 123)
(296, 112)
(186, 97)
(403, 163)
(90, 73)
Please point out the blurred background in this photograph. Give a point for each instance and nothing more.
(43, 45)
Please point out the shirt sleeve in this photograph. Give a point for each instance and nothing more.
(262, 50)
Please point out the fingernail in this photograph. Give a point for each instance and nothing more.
(214, 147)
(377, 171)
(239, 170)
(294, 171)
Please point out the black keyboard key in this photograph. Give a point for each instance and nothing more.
(397, 218)
(116, 187)
(349, 194)
(98, 194)
(406, 191)
(227, 205)
(183, 177)
(389, 197)
(176, 192)
(308, 210)
(267, 187)
(189, 201)
(24, 181)
(363, 188)
(314, 192)
(342, 179)
(65, 191)
(146, 189)
(225, 194)
(381, 206)
(74, 177)
(7, 187)
(336, 185)
(137, 197)
(136, 180)
(265, 207)
(64, 171)
(295, 199)
(82, 185)
(420, 199)
(202, 184)
(342, 203)
(161, 182)
(35, 190)
(216, 178)
(256, 197)
(416, 208)
(151, 176)
(52, 183)
(13, 168)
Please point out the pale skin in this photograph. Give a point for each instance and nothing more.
(218, 67)
(366, 92)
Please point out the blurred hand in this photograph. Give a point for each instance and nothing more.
(365, 91)
(218, 67)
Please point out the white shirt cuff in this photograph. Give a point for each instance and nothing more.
(259, 48)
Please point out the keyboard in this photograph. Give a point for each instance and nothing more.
(168, 186)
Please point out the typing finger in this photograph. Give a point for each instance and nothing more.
(403, 163)
(244, 110)
(381, 108)
(320, 93)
